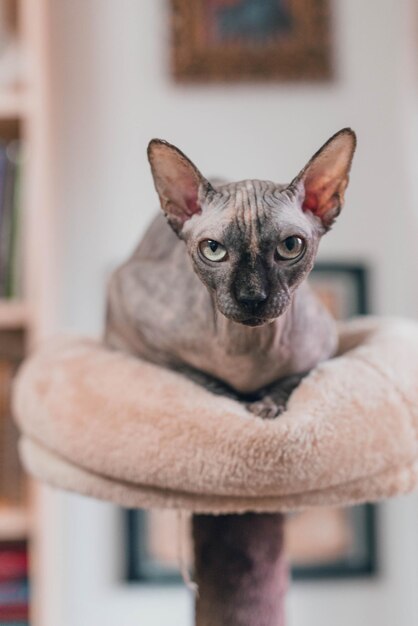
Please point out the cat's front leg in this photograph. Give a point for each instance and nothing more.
(214, 385)
(273, 399)
(269, 402)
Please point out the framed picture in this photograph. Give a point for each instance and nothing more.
(320, 542)
(342, 287)
(242, 40)
(332, 542)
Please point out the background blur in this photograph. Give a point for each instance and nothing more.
(108, 90)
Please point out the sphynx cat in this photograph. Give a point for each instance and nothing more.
(222, 297)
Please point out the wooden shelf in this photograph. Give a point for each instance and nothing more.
(13, 103)
(13, 314)
(14, 523)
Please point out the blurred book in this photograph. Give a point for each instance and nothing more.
(14, 613)
(12, 346)
(11, 474)
(14, 586)
(13, 561)
(9, 219)
(14, 600)
(13, 593)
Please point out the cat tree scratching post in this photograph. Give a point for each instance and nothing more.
(110, 426)
(240, 569)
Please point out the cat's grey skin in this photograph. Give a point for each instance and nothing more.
(248, 320)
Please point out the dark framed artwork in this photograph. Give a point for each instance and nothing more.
(320, 543)
(242, 40)
(336, 542)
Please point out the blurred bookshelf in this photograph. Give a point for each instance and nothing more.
(25, 277)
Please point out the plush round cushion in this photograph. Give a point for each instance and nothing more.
(111, 426)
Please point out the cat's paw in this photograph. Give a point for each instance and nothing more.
(266, 408)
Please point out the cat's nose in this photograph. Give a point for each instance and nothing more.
(252, 299)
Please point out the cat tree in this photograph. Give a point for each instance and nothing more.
(110, 426)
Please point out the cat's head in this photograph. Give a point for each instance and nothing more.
(253, 242)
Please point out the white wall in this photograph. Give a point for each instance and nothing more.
(112, 93)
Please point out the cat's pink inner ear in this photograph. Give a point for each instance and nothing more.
(322, 194)
(325, 178)
(177, 181)
(182, 195)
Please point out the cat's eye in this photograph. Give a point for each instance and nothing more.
(212, 250)
(290, 248)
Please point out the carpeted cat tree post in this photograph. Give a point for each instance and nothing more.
(110, 426)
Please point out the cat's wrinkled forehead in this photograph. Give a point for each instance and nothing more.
(250, 210)
(186, 195)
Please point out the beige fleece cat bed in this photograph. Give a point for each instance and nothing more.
(111, 426)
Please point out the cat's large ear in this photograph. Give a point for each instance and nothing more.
(326, 176)
(178, 182)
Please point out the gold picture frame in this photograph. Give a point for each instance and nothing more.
(251, 40)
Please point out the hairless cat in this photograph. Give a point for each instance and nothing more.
(221, 297)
